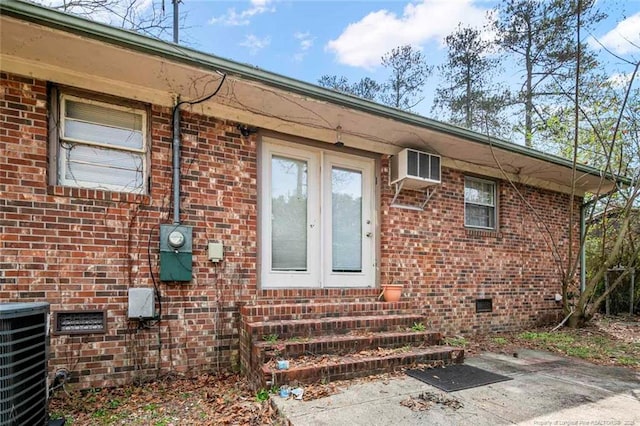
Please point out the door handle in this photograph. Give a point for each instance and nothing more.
(368, 234)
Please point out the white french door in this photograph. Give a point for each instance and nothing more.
(317, 218)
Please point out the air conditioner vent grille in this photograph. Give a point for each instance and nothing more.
(415, 169)
(23, 363)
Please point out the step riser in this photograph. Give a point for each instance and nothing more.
(287, 312)
(341, 346)
(287, 330)
(352, 370)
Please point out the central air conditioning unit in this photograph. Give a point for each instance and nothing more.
(415, 169)
(24, 343)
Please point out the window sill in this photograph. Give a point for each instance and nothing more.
(98, 194)
(483, 233)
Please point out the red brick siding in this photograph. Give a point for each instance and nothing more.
(445, 267)
(83, 249)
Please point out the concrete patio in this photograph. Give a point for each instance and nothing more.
(546, 390)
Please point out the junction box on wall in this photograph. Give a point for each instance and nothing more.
(141, 303)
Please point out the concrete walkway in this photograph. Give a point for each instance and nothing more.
(545, 390)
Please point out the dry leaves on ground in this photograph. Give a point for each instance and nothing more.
(426, 400)
(203, 400)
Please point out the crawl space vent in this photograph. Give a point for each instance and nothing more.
(484, 305)
(75, 322)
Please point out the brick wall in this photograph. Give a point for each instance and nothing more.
(83, 249)
(445, 267)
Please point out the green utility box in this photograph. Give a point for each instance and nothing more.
(176, 252)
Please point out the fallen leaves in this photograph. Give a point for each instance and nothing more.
(207, 399)
(426, 400)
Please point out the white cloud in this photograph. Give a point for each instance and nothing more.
(254, 43)
(623, 37)
(234, 18)
(305, 42)
(305, 39)
(362, 43)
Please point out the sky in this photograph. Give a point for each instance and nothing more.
(305, 39)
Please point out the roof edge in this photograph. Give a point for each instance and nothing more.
(42, 15)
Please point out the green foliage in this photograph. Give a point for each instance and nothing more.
(271, 338)
(409, 73)
(466, 91)
(402, 89)
(547, 337)
(499, 340)
(151, 407)
(262, 395)
(589, 347)
(541, 38)
(456, 341)
(366, 88)
(418, 326)
(99, 413)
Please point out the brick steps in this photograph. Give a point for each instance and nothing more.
(292, 311)
(343, 344)
(335, 341)
(286, 329)
(354, 366)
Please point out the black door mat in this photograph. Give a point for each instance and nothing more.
(456, 377)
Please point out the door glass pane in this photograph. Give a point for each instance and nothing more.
(288, 214)
(346, 211)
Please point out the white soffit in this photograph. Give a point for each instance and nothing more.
(35, 50)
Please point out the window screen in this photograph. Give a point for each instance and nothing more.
(101, 145)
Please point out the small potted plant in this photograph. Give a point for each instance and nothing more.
(391, 292)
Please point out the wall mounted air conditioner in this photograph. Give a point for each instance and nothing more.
(24, 342)
(415, 169)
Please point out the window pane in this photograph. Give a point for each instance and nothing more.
(85, 164)
(479, 192)
(288, 214)
(103, 115)
(346, 211)
(435, 168)
(101, 124)
(479, 216)
(479, 209)
(103, 134)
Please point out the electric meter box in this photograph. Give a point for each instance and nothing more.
(176, 252)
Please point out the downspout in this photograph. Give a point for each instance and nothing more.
(176, 163)
(176, 146)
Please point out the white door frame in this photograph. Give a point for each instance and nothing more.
(366, 276)
(319, 272)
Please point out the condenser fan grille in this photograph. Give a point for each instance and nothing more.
(23, 363)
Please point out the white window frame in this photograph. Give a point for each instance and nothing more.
(494, 206)
(61, 162)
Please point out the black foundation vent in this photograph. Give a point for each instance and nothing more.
(484, 305)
